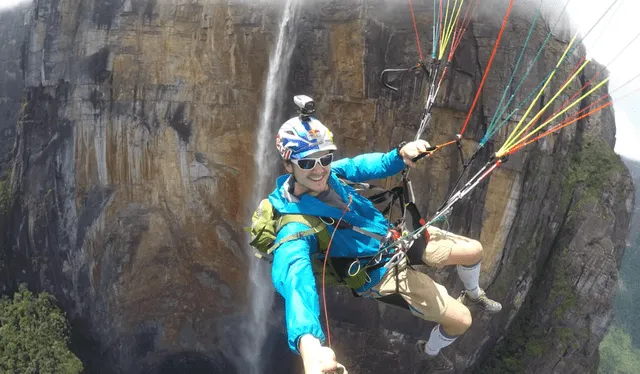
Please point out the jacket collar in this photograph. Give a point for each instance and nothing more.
(287, 188)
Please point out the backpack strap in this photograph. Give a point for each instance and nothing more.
(316, 227)
(346, 225)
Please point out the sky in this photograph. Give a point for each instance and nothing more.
(615, 31)
(9, 3)
(608, 40)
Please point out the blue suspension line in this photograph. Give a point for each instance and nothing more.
(490, 129)
(436, 30)
(488, 136)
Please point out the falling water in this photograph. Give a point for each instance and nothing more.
(260, 289)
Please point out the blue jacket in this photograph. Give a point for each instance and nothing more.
(292, 274)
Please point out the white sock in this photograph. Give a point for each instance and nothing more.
(470, 275)
(438, 340)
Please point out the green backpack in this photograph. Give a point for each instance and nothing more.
(265, 224)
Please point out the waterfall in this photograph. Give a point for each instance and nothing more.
(266, 158)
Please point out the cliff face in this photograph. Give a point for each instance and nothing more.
(131, 171)
(132, 180)
(12, 31)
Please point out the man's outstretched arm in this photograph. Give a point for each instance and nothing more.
(379, 165)
(292, 277)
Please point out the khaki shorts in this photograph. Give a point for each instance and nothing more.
(441, 243)
(426, 298)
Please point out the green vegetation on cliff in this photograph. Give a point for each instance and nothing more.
(627, 301)
(620, 349)
(592, 171)
(34, 336)
(617, 354)
(523, 341)
(5, 208)
(5, 197)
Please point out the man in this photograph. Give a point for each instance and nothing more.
(312, 187)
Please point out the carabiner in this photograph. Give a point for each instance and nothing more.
(333, 221)
(350, 270)
(395, 260)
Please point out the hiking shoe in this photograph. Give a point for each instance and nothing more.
(484, 302)
(431, 364)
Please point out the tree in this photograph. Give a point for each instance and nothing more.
(617, 355)
(34, 336)
(627, 299)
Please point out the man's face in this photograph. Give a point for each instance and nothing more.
(312, 181)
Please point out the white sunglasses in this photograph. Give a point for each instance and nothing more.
(310, 163)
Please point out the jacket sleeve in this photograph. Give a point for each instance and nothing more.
(292, 277)
(369, 166)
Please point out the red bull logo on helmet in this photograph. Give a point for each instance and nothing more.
(314, 134)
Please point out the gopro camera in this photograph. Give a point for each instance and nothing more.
(306, 105)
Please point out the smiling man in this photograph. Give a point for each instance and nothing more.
(314, 191)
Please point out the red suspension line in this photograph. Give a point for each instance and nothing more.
(457, 37)
(558, 127)
(486, 73)
(441, 27)
(466, 23)
(539, 114)
(415, 28)
(324, 270)
(577, 93)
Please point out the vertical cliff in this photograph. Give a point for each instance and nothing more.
(12, 31)
(131, 172)
(132, 176)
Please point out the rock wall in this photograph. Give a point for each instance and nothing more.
(132, 181)
(12, 31)
(130, 171)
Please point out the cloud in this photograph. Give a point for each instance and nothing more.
(612, 43)
(627, 136)
(6, 4)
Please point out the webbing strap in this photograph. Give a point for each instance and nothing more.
(367, 233)
(316, 227)
(380, 195)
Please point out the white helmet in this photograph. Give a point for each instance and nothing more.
(300, 137)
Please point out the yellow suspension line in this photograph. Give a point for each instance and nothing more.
(511, 137)
(535, 118)
(445, 27)
(452, 26)
(562, 112)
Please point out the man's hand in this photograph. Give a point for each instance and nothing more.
(318, 359)
(413, 150)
